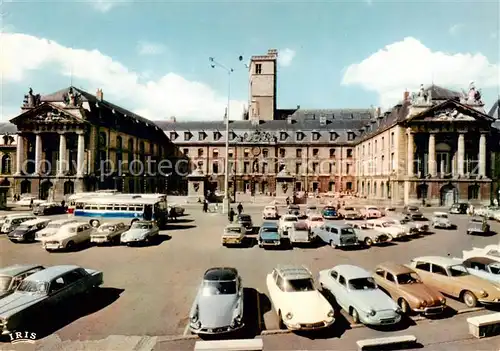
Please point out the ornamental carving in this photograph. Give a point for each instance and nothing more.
(258, 137)
(31, 100)
(451, 115)
(51, 116)
(72, 98)
(472, 97)
(422, 98)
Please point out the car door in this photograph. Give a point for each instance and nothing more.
(441, 281)
(57, 293)
(76, 283)
(341, 295)
(274, 290)
(390, 285)
(383, 284)
(424, 271)
(479, 269)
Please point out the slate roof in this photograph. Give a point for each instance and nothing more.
(440, 93)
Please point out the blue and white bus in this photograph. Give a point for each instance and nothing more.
(72, 199)
(123, 207)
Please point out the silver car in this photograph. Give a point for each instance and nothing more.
(367, 236)
(478, 225)
(441, 220)
(218, 306)
(140, 232)
(12, 276)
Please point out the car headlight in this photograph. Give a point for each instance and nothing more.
(289, 315)
(483, 293)
(331, 314)
(399, 311)
(424, 303)
(443, 301)
(3, 322)
(372, 313)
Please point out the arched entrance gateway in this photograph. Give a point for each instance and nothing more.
(45, 189)
(449, 195)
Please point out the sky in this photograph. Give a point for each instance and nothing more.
(152, 57)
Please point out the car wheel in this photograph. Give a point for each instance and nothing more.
(70, 245)
(281, 323)
(469, 299)
(368, 242)
(405, 306)
(332, 244)
(94, 223)
(355, 316)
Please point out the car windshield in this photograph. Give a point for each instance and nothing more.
(412, 209)
(291, 219)
(349, 208)
(408, 278)
(442, 216)
(24, 227)
(5, 283)
(269, 230)
(31, 286)
(388, 224)
(494, 269)
(372, 208)
(211, 288)
(458, 270)
(346, 231)
(477, 220)
(105, 228)
(53, 226)
(244, 218)
(297, 285)
(362, 284)
(404, 221)
(233, 230)
(141, 226)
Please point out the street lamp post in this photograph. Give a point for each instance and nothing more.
(215, 64)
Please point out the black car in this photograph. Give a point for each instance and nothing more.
(246, 221)
(26, 232)
(47, 209)
(459, 208)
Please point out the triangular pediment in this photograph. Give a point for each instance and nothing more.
(451, 111)
(48, 113)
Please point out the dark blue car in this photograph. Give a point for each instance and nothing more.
(330, 213)
(269, 235)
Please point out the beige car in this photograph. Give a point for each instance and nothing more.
(405, 287)
(451, 277)
(349, 212)
(270, 212)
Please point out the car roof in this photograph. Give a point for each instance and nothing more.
(440, 213)
(442, 261)
(13, 216)
(220, 274)
(17, 269)
(74, 224)
(483, 260)
(51, 272)
(301, 226)
(61, 221)
(338, 225)
(269, 225)
(351, 272)
(291, 272)
(36, 221)
(394, 268)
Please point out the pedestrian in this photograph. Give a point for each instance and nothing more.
(287, 201)
(63, 203)
(230, 215)
(31, 203)
(205, 205)
(173, 215)
(240, 208)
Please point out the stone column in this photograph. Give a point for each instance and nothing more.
(38, 153)
(432, 155)
(482, 155)
(19, 154)
(461, 155)
(80, 154)
(62, 154)
(410, 154)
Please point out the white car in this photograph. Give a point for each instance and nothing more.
(404, 224)
(270, 212)
(314, 220)
(297, 302)
(286, 223)
(68, 236)
(25, 201)
(386, 227)
(108, 233)
(489, 251)
(11, 222)
(52, 228)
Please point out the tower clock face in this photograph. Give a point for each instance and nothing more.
(256, 151)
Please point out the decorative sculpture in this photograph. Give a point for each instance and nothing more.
(258, 137)
(72, 99)
(422, 97)
(284, 186)
(472, 97)
(196, 186)
(31, 100)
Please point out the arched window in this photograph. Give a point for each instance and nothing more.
(69, 187)
(6, 164)
(119, 143)
(422, 191)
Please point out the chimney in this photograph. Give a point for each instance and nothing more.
(406, 95)
(99, 95)
(378, 112)
(173, 119)
(289, 119)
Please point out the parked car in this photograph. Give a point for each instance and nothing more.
(442, 221)
(367, 235)
(269, 235)
(297, 302)
(68, 236)
(178, 210)
(218, 305)
(300, 234)
(489, 251)
(403, 223)
(387, 228)
(422, 223)
(356, 292)
(108, 233)
(314, 220)
(452, 278)
(295, 210)
(405, 287)
(270, 212)
(48, 208)
(413, 212)
(478, 225)
(2, 220)
(336, 235)
(26, 201)
(311, 209)
(483, 267)
(286, 222)
(27, 230)
(52, 228)
(369, 212)
(42, 292)
(13, 221)
(330, 212)
(12, 276)
(140, 232)
(349, 213)
(246, 222)
(234, 234)
(459, 208)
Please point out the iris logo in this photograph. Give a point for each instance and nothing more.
(21, 337)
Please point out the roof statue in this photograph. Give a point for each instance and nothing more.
(258, 137)
(422, 98)
(472, 97)
(72, 98)
(31, 100)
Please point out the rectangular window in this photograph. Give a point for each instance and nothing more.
(258, 68)
(186, 152)
(349, 152)
(332, 153)
(392, 140)
(393, 164)
(315, 167)
(298, 165)
(299, 153)
(265, 153)
(246, 167)
(350, 136)
(315, 152)
(187, 136)
(282, 152)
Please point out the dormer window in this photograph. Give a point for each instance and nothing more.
(173, 135)
(333, 136)
(316, 136)
(283, 136)
(217, 135)
(232, 135)
(300, 136)
(187, 136)
(350, 136)
(202, 136)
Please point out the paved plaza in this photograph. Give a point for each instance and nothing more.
(148, 291)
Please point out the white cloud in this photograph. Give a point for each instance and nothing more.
(285, 57)
(408, 63)
(105, 5)
(455, 29)
(149, 48)
(170, 95)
